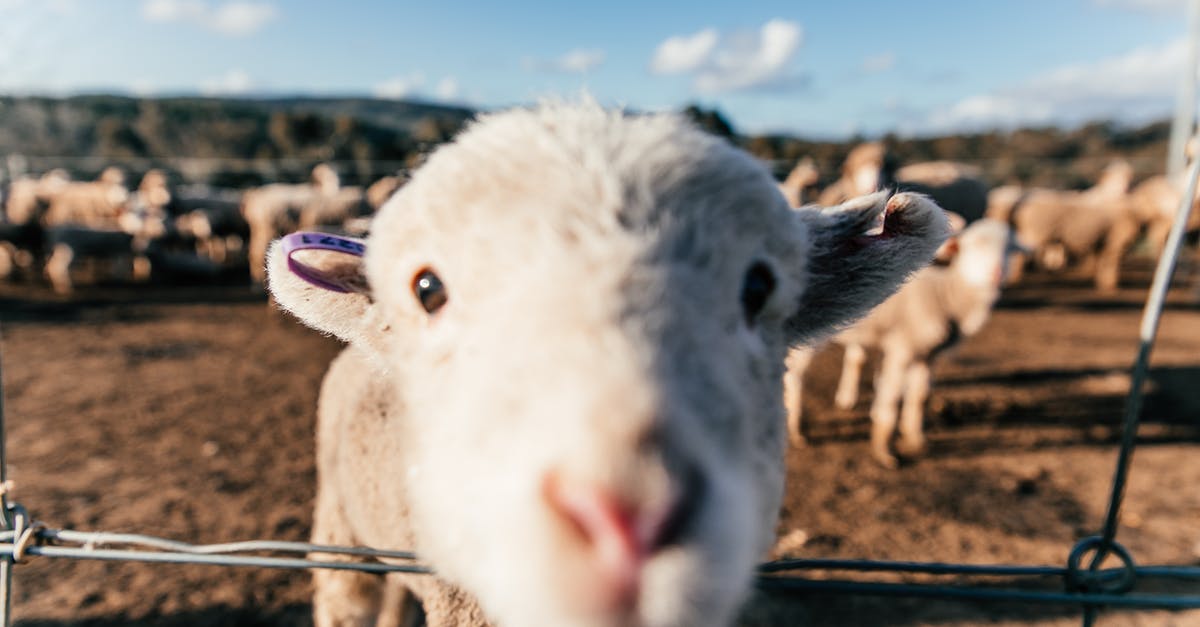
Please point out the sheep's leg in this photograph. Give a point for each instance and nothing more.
(7, 259)
(141, 268)
(912, 412)
(399, 607)
(888, 387)
(341, 598)
(58, 268)
(793, 392)
(852, 364)
(1156, 235)
(1108, 266)
(1016, 268)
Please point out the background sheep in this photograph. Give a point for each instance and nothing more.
(275, 209)
(868, 167)
(94, 204)
(1151, 209)
(933, 312)
(1061, 225)
(634, 283)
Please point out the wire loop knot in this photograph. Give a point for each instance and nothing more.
(1081, 578)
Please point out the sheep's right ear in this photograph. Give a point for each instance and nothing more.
(854, 263)
(320, 279)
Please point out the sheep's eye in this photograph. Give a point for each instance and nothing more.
(756, 290)
(429, 290)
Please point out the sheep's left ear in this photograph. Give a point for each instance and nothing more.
(319, 278)
(854, 264)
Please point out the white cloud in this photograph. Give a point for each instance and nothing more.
(447, 89)
(236, 18)
(1145, 6)
(877, 63)
(233, 83)
(1135, 86)
(413, 85)
(399, 87)
(684, 53)
(734, 62)
(577, 61)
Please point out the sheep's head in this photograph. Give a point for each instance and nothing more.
(584, 316)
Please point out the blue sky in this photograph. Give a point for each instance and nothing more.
(824, 69)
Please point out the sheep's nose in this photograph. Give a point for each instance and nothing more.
(618, 537)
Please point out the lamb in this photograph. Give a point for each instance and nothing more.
(95, 204)
(29, 197)
(939, 307)
(211, 221)
(1064, 225)
(20, 221)
(563, 380)
(868, 167)
(1151, 206)
(275, 209)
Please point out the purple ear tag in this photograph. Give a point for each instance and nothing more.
(307, 240)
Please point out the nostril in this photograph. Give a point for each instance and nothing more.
(596, 516)
(619, 529)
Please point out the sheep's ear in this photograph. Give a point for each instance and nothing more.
(855, 263)
(320, 279)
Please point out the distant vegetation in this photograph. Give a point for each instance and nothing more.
(240, 142)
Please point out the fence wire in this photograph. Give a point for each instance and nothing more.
(1089, 586)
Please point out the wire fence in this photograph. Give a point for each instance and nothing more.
(1082, 581)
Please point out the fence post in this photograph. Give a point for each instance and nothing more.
(6, 561)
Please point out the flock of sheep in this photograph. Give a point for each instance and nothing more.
(998, 233)
(51, 225)
(576, 337)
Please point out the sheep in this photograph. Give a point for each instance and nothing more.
(28, 197)
(563, 380)
(20, 221)
(796, 187)
(69, 242)
(939, 307)
(210, 220)
(1151, 206)
(95, 204)
(275, 209)
(868, 167)
(1060, 225)
(93, 219)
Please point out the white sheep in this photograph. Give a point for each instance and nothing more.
(96, 204)
(953, 186)
(563, 380)
(275, 209)
(1151, 207)
(1062, 225)
(935, 310)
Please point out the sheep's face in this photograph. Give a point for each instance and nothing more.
(583, 316)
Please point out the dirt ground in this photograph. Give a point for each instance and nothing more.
(188, 413)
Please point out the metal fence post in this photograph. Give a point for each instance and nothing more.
(6, 561)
